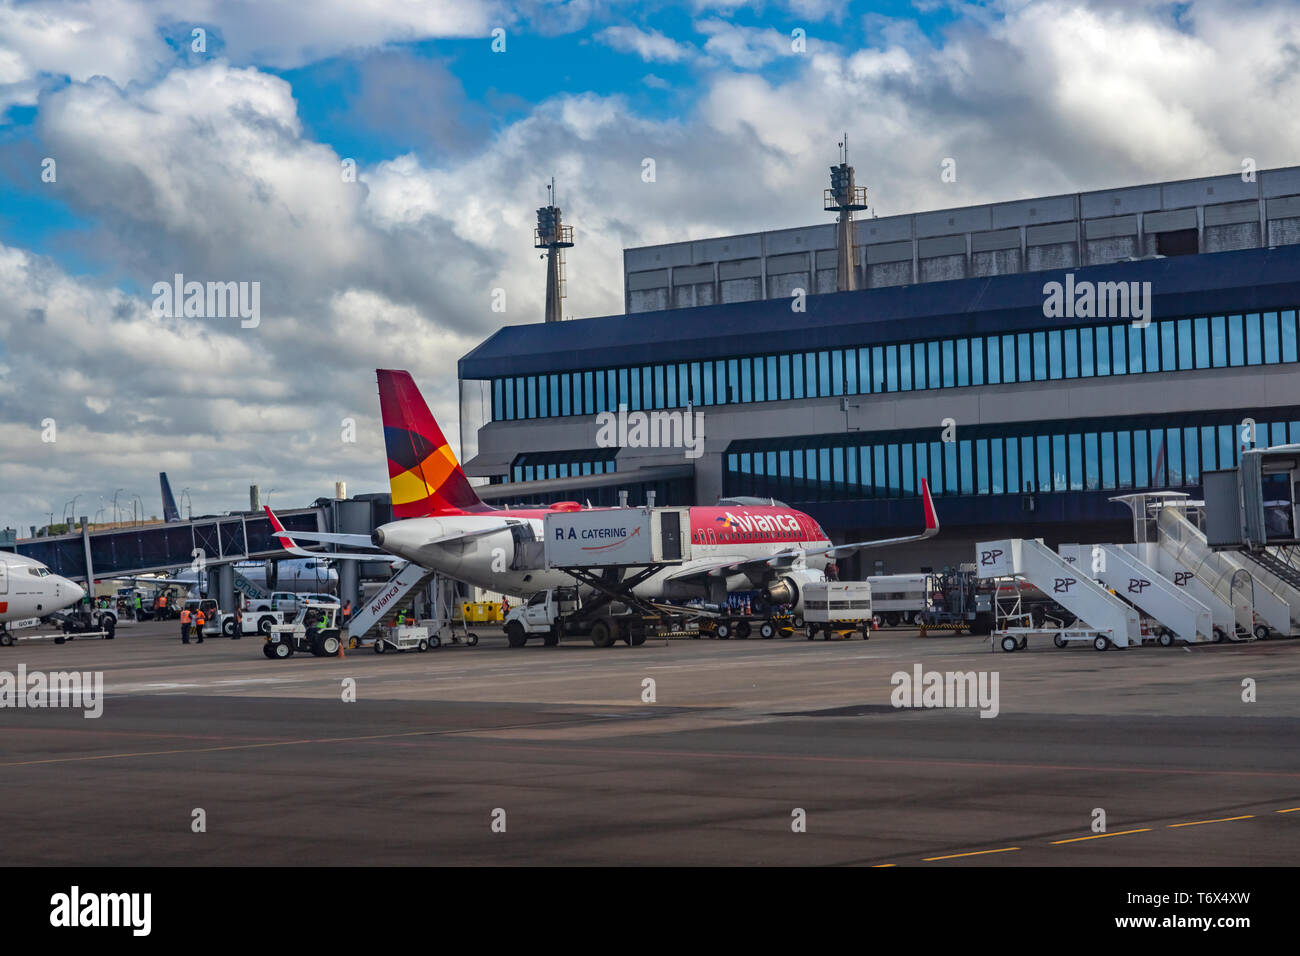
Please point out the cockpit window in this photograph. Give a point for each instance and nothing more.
(39, 572)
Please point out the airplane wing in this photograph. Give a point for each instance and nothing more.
(376, 554)
(756, 568)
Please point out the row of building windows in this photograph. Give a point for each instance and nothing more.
(1218, 341)
(672, 491)
(1137, 453)
(562, 469)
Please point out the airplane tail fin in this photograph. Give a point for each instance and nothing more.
(423, 473)
(170, 511)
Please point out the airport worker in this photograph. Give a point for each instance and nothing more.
(347, 610)
(185, 626)
(199, 621)
(138, 605)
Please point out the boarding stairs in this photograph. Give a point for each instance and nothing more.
(1253, 604)
(382, 610)
(1184, 617)
(1099, 611)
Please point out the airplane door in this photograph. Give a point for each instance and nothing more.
(670, 534)
(4, 578)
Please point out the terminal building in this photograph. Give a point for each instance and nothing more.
(1033, 359)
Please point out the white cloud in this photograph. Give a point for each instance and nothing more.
(745, 47)
(650, 45)
(208, 171)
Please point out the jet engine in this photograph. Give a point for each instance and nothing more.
(788, 588)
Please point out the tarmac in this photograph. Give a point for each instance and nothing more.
(779, 752)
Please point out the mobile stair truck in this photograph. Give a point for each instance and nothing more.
(1177, 615)
(1101, 618)
(608, 553)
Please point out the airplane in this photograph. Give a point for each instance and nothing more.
(442, 524)
(311, 574)
(28, 589)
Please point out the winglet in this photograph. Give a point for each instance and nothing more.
(286, 542)
(927, 503)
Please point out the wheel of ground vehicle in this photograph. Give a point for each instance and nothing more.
(812, 632)
(330, 645)
(866, 633)
(766, 630)
(422, 646)
(1166, 639)
(269, 651)
(282, 649)
(743, 630)
(515, 634)
(797, 620)
(892, 619)
(264, 625)
(1009, 644)
(435, 641)
(380, 645)
(1100, 643)
(550, 640)
(471, 638)
(6, 639)
(315, 646)
(637, 637)
(1261, 632)
(1219, 636)
(60, 640)
(723, 631)
(602, 635)
(1058, 640)
(228, 628)
(1024, 643)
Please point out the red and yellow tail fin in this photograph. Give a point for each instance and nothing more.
(423, 473)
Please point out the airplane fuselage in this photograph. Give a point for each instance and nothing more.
(494, 561)
(29, 589)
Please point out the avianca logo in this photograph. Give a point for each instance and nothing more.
(765, 523)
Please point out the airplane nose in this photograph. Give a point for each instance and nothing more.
(75, 591)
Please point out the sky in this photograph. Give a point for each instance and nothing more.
(374, 168)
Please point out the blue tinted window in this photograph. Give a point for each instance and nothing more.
(1076, 462)
(1209, 448)
(937, 485)
(1054, 367)
(864, 370)
(837, 372)
(851, 372)
(824, 375)
(797, 385)
(1044, 464)
(1009, 358)
(810, 374)
(1236, 341)
(1287, 320)
(977, 361)
(905, 452)
(1071, 337)
(1271, 345)
(1186, 358)
(1091, 462)
(1151, 338)
(543, 398)
(1014, 484)
(949, 365)
(670, 391)
(950, 467)
(588, 391)
(995, 363)
(1059, 468)
(1040, 366)
(1108, 459)
(918, 367)
(1134, 349)
(982, 466)
(1026, 373)
(966, 459)
(708, 379)
(891, 368)
(786, 377)
(1086, 366)
(1218, 341)
(905, 367)
(1102, 357)
(1254, 340)
(1141, 461)
(634, 393)
(721, 390)
(1191, 446)
(963, 363)
(877, 368)
(995, 466)
(1174, 449)
(1124, 458)
(1168, 347)
(1202, 332)
(1118, 361)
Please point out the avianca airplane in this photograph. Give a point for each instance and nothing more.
(442, 525)
(29, 589)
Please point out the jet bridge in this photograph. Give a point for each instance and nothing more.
(1181, 616)
(1107, 621)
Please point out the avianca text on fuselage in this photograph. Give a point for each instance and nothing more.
(762, 523)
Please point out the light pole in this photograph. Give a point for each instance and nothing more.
(185, 496)
(72, 512)
(115, 512)
(141, 502)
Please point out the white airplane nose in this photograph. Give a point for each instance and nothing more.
(75, 591)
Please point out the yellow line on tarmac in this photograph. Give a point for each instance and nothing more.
(1005, 849)
(881, 866)
(1098, 836)
(1197, 823)
(1289, 810)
